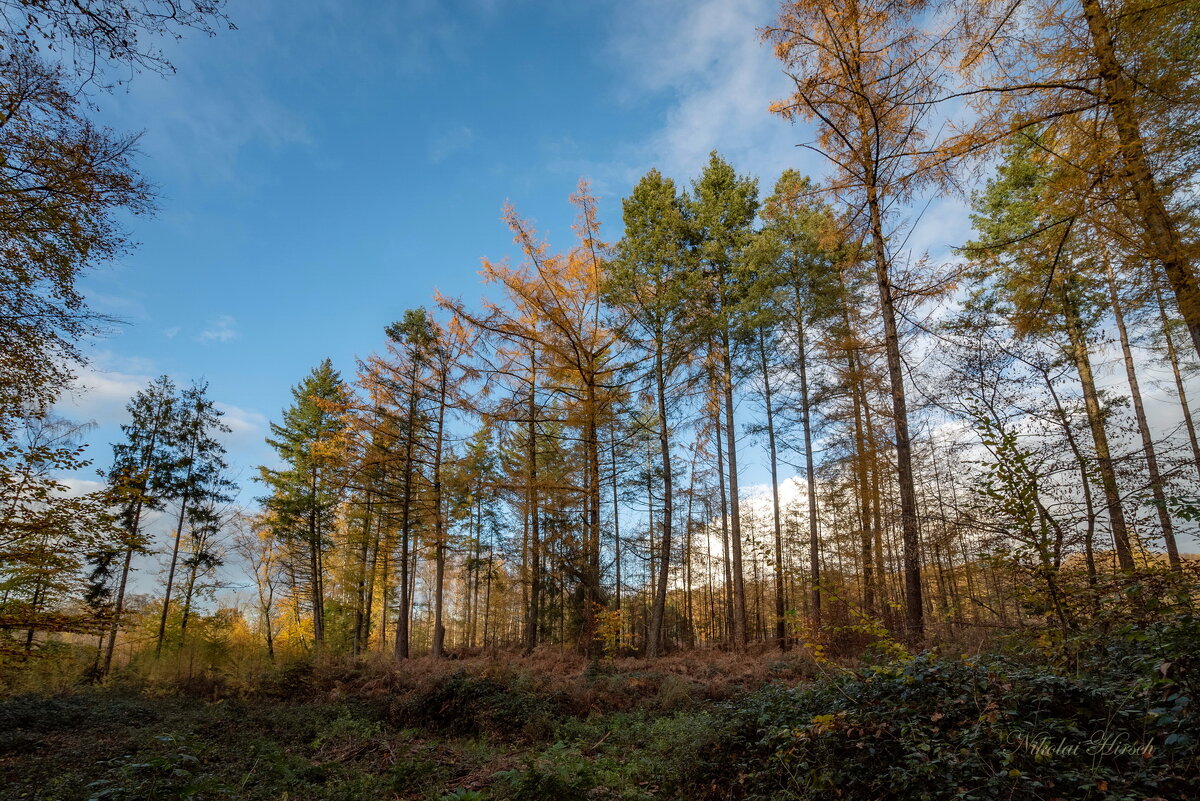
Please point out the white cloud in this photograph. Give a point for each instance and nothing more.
(705, 60)
(449, 143)
(77, 487)
(246, 426)
(222, 328)
(99, 395)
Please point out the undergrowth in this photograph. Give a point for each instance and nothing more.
(1087, 717)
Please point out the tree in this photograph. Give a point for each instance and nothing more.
(204, 553)
(255, 542)
(200, 480)
(64, 182)
(563, 294)
(46, 533)
(143, 471)
(1133, 63)
(63, 185)
(795, 287)
(865, 74)
(649, 278)
(723, 206)
(92, 35)
(305, 490)
(1028, 227)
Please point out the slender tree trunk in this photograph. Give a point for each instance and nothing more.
(1091, 399)
(1085, 482)
(439, 523)
(687, 557)
(404, 615)
(861, 471)
(810, 470)
(735, 515)
(487, 596)
(910, 531)
(726, 560)
(162, 623)
(360, 581)
(653, 640)
(612, 445)
(119, 607)
(1139, 410)
(885, 588)
(316, 584)
(189, 588)
(1173, 358)
(593, 600)
(535, 555)
(780, 607)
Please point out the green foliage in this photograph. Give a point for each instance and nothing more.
(309, 442)
(1106, 714)
(560, 773)
(463, 795)
(943, 728)
(46, 535)
(462, 704)
(172, 773)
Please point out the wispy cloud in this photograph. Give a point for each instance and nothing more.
(246, 425)
(99, 395)
(449, 143)
(704, 60)
(222, 328)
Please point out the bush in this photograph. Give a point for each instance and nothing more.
(1121, 726)
(466, 705)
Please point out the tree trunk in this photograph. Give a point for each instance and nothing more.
(189, 589)
(1173, 358)
(910, 532)
(735, 515)
(119, 607)
(653, 639)
(404, 614)
(1089, 536)
(439, 523)
(810, 477)
(535, 556)
(780, 610)
(864, 488)
(162, 623)
(1091, 399)
(1135, 392)
(725, 556)
(1161, 236)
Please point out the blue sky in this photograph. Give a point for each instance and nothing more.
(329, 164)
(333, 162)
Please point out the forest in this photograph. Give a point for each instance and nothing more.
(738, 496)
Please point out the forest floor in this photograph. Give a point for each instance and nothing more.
(547, 726)
(701, 726)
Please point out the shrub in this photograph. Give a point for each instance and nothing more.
(924, 727)
(466, 705)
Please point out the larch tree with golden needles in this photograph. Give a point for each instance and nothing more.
(1031, 61)
(580, 352)
(865, 73)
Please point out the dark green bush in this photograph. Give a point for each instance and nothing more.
(1121, 726)
(466, 705)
